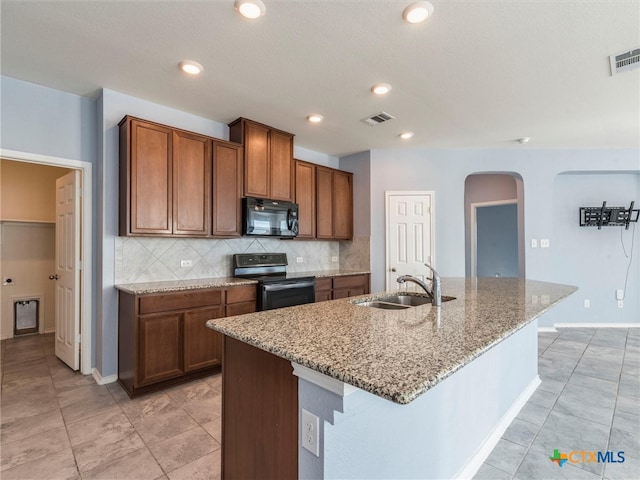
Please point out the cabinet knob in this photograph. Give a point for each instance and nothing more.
(53, 277)
(393, 269)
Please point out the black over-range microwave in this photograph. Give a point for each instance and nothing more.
(269, 218)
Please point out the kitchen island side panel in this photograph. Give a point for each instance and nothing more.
(438, 435)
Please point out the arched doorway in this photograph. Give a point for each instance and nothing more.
(494, 225)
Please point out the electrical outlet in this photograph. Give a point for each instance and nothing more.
(544, 243)
(309, 431)
(586, 303)
(534, 243)
(334, 259)
(299, 259)
(186, 263)
(544, 299)
(619, 294)
(620, 303)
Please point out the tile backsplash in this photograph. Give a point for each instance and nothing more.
(145, 259)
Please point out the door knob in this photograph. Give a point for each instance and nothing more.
(393, 269)
(53, 277)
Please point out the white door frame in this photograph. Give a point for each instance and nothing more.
(474, 228)
(387, 195)
(85, 243)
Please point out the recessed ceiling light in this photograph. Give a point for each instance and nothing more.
(315, 118)
(524, 140)
(381, 88)
(190, 67)
(406, 135)
(250, 8)
(417, 12)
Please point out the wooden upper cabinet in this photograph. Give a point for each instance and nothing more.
(191, 184)
(268, 159)
(146, 152)
(342, 205)
(334, 204)
(227, 189)
(324, 205)
(281, 174)
(305, 187)
(256, 160)
(178, 183)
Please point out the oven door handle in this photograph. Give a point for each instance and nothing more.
(276, 287)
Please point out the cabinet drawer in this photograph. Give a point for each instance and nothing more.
(349, 281)
(323, 284)
(240, 308)
(180, 300)
(241, 294)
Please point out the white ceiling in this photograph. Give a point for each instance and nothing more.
(477, 74)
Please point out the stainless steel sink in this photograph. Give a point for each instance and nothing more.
(399, 301)
(408, 300)
(383, 305)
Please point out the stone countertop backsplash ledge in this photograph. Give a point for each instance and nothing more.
(398, 354)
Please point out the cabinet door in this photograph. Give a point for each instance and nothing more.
(281, 166)
(191, 184)
(342, 205)
(256, 160)
(227, 190)
(305, 175)
(202, 346)
(324, 195)
(150, 178)
(160, 346)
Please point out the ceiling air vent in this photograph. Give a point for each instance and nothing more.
(378, 118)
(625, 61)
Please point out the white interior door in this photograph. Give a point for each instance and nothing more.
(409, 235)
(67, 343)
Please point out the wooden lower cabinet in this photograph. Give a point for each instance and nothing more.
(332, 288)
(204, 346)
(161, 347)
(163, 338)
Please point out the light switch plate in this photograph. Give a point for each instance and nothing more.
(534, 243)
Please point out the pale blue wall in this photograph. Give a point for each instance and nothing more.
(591, 258)
(445, 171)
(41, 120)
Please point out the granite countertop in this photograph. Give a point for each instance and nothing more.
(144, 288)
(328, 273)
(179, 285)
(398, 354)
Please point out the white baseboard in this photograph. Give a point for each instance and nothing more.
(547, 330)
(596, 325)
(100, 380)
(483, 452)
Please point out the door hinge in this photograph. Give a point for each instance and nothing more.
(80, 192)
(78, 338)
(79, 264)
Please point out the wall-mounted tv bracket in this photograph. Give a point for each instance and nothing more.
(608, 216)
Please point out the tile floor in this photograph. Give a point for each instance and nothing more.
(60, 424)
(589, 399)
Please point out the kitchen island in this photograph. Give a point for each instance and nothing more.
(421, 392)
